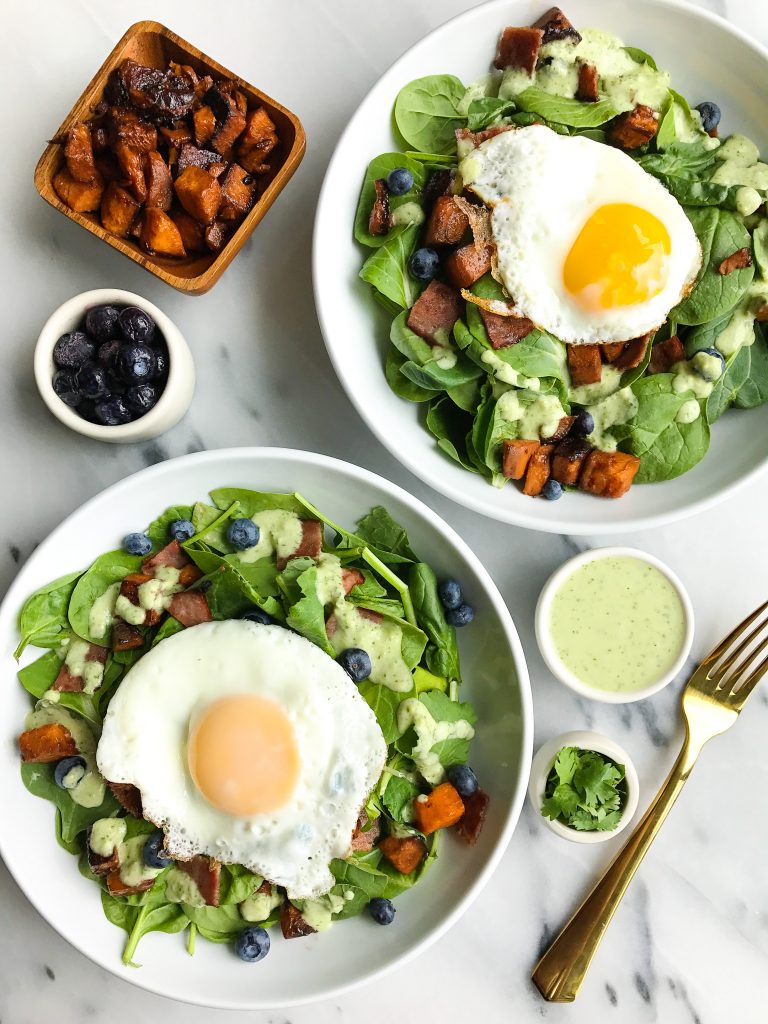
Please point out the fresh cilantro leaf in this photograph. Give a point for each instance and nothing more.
(566, 764)
(585, 791)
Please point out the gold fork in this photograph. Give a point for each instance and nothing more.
(712, 701)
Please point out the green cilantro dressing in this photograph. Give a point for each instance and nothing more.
(382, 641)
(260, 905)
(330, 587)
(319, 913)
(91, 672)
(508, 374)
(154, 595)
(411, 712)
(91, 788)
(280, 534)
(539, 418)
(102, 613)
(182, 888)
(617, 623)
(408, 213)
(106, 835)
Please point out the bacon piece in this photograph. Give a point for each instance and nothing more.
(365, 840)
(66, 682)
(205, 873)
(633, 352)
(129, 589)
(587, 89)
(665, 354)
(292, 924)
(117, 887)
(555, 25)
(585, 364)
(379, 220)
(366, 613)
(190, 608)
(351, 578)
(46, 743)
(468, 264)
(103, 865)
(608, 474)
(172, 555)
(563, 428)
(126, 637)
(519, 48)
(738, 260)
(505, 330)
(634, 128)
(538, 471)
(311, 544)
(447, 223)
(435, 312)
(516, 455)
(78, 152)
(567, 460)
(473, 819)
(404, 854)
(612, 350)
(471, 140)
(158, 178)
(128, 796)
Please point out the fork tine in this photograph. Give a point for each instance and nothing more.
(735, 633)
(746, 688)
(740, 671)
(723, 669)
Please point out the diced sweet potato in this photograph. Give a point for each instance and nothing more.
(176, 135)
(205, 125)
(126, 637)
(404, 854)
(191, 156)
(188, 574)
(225, 136)
(108, 167)
(379, 217)
(160, 235)
(117, 887)
(665, 354)
(612, 350)
(205, 873)
(608, 474)
(365, 835)
(587, 89)
(519, 48)
(473, 819)
(216, 236)
(633, 353)
(238, 191)
(190, 608)
(99, 137)
(199, 194)
(292, 924)
(567, 460)
(539, 470)
(505, 330)
(257, 141)
(555, 25)
(441, 808)
(46, 743)
(128, 796)
(127, 128)
(736, 261)
(78, 152)
(435, 312)
(158, 178)
(310, 545)
(80, 196)
(447, 223)
(118, 209)
(585, 364)
(466, 265)
(131, 162)
(633, 128)
(191, 231)
(563, 429)
(516, 456)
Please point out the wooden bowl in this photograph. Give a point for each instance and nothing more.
(151, 43)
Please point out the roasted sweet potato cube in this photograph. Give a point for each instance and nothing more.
(519, 48)
(177, 135)
(126, 127)
(131, 162)
(585, 364)
(80, 196)
(466, 265)
(292, 924)
(216, 236)
(126, 637)
(612, 350)
(78, 152)
(563, 429)
(435, 312)
(118, 210)
(505, 330)
(633, 128)
(516, 456)
(46, 743)
(633, 353)
(159, 183)
(608, 474)
(587, 89)
(199, 194)
(447, 223)
(108, 168)
(555, 25)
(379, 218)
(665, 354)
(404, 854)
(473, 819)
(238, 191)
(99, 137)
(201, 89)
(538, 471)
(258, 140)
(567, 460)
(225, 137)
(192, 232)
(205, 125)
(160, 235)
(191, 156)
(441, 808)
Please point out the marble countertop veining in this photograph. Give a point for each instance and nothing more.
(690, 943)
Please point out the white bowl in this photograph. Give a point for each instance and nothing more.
(171, 405)
(356, 329)
(549, 652)
(354, 951)
(584, 740)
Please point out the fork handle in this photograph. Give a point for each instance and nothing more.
(561, 970)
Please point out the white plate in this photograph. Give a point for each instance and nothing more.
(354, 951)
(708, 59)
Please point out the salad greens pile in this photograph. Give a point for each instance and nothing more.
(395, 584)
(585, 791)
(722, 187)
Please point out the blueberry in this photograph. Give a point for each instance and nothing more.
(161, 364)
(460, 616)
(552, 490)
(107, 354)
(65, 386)
(137, 544)
(700, 367)
(87, 409)
(462, 778)
(399, 181)
(585, 423)
(181, 530)
(136, 363)
(710, 115)
(136, 325)
(154, 854)
(382, 911)
(112, 412)
(252, 944)
(93, 381)
(63, 768)
(356, 663)
(424, 264)
(101, 322)
(258, 615)
(72, 350)
(141, 398)
(243, 533)
(449, 592)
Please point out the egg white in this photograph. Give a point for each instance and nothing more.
(341, 748)
(543, 187)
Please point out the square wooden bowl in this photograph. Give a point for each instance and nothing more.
(151, 43)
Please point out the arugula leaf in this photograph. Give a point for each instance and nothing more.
(572, 112)
(584, 790)
(43, 616)
(380, 167)
(386, 269)
(427, 113)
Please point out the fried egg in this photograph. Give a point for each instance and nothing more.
(248, 744)
(589, 246)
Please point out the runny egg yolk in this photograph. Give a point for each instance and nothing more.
(619, 258)
(242, 755)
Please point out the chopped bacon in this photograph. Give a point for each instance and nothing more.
(738, 260)
(665, 354)
(129, 589)
(46, 743)
(585, 364)
(126, 637)
(519, 48)
(66, 682)
(172, 555)
(505, 330)
(634, 128)
(475, 139)
(435, 312)
(128, 796)
(517, 454)
(379, 219)
(292, 924)
(351, 578)
(608, 474)
(473, 819)
(311, 544)
(587, 88)
(563, 429)
(555, 25)
(205, 873)
(612, 350)
(117, 887)
(633, 352)
(103, 865)
(190, 608)
(365, 838)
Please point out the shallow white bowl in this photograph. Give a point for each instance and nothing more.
(709, 60)
(352, 952)
(178, 391)
(584, 740)
(549, 652)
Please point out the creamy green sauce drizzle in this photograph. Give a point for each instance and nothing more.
(382, 641)
(106, 835)
(154, 595)
(408, 213)
(537, 419)
(508, 374)
(260, 905)
(90, 790)
(280, 534)
(330, 588)
(102, 613)
(91, 672)
(181, 888)
(411, 712)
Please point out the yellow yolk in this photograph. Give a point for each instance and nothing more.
(619, 258)
(242, 755)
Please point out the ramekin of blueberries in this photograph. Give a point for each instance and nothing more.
(112, 366)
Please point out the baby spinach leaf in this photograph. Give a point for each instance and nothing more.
(754, 390)
(640, 56)
(217, 924)
(449, 425)
(537, 355)
(345, 539)
(714, 294)
(630, 376)
(158, 528)
(380, 168)
(727, 387)
(307, 615)
(706, 335)
(388, 607)
(361, 873)
(379, 530)
(38, 779)
(386, 269)
(443, 709)
(210, 525)
(237, 884)
(760, 247)
(562, 110)
(487, 110)
(39, 676)
(398, 796)
(109, 568)
(443, 653)
(250, 502)
(680, 160)
(383, 702)
(400, 384)
(167, 628)
(407, 342)
(677, 122)
(427, 113)
(434, 377)
(43, 616)
(154, 915)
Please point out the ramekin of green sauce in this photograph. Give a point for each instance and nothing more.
(614, 624)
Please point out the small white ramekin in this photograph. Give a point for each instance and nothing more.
(542, 765)
(171, 405)
(549, 652)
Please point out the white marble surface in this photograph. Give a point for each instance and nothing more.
(690, 943)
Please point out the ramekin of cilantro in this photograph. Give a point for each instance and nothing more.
(584, 786)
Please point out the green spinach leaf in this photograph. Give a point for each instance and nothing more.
(754, 390)
(714, 294)
(43, 617)
(427, 113)
(399, 383)
(386, 269)
(109, 568)
(74, 819)
(443, 650)
(561, 110)
(380, 168)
